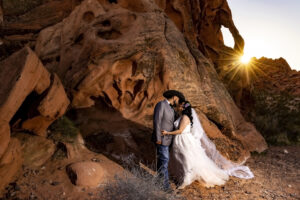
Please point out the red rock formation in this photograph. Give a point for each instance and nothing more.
(4, 137)
(276, 76)
(273, 76)
(52, 106)
(267, 91)
(34, 15)
(22, 20)
(10, 163)
(36, 149)
(200, 21)
(128, 54)
(23, 74)
(89, 174)
(29, 76)
(114, 60)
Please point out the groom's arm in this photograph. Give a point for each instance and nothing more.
(183, 123)
(158, 115)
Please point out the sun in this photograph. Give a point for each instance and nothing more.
(241, 68)
(245, 59)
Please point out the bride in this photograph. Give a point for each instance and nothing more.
(195, 157)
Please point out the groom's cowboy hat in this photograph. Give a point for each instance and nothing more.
(171, 93)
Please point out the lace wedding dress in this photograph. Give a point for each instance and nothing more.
(195, 157)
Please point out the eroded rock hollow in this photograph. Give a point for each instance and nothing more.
(114, 61)
(127, 55)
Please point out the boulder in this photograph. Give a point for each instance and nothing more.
(10, 163)
(86, 173)
(21, 74)
(29, 89)
(51, 107)
(36, 149)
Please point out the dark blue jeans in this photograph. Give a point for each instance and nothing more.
(162, 164)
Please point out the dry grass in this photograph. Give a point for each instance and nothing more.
(136, 185)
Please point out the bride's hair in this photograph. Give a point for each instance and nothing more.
(187, 110)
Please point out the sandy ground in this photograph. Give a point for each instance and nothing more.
(277, 176)
(50, 181)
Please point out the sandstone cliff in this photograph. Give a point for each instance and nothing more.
(201, 21)
(127, 55)
(113, 60)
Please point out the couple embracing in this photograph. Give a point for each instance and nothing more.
(183, 147)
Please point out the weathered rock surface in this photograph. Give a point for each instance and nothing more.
(22, 20)
(51, 107)
(4, 136)
(86, 173)
(276, 76)
(269, 97)
(114, 59)
(221, 141)
(25, 84)
(127, 56)
(21, 74)
(10, 163)
(201, 21)
(36, 149)
(33, 16)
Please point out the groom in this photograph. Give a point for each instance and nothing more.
(163, 119)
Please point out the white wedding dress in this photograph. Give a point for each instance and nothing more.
(195, 157)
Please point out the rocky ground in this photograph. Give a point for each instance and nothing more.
(277, 176)
(51, 181)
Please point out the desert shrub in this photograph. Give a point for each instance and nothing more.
(276, 116)
(64, 130)
(136, 185)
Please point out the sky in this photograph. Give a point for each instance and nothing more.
(270, 28)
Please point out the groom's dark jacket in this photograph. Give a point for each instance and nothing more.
(163, 119)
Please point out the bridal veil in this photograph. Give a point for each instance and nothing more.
(231, 168)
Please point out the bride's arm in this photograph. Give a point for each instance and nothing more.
(183, 123)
